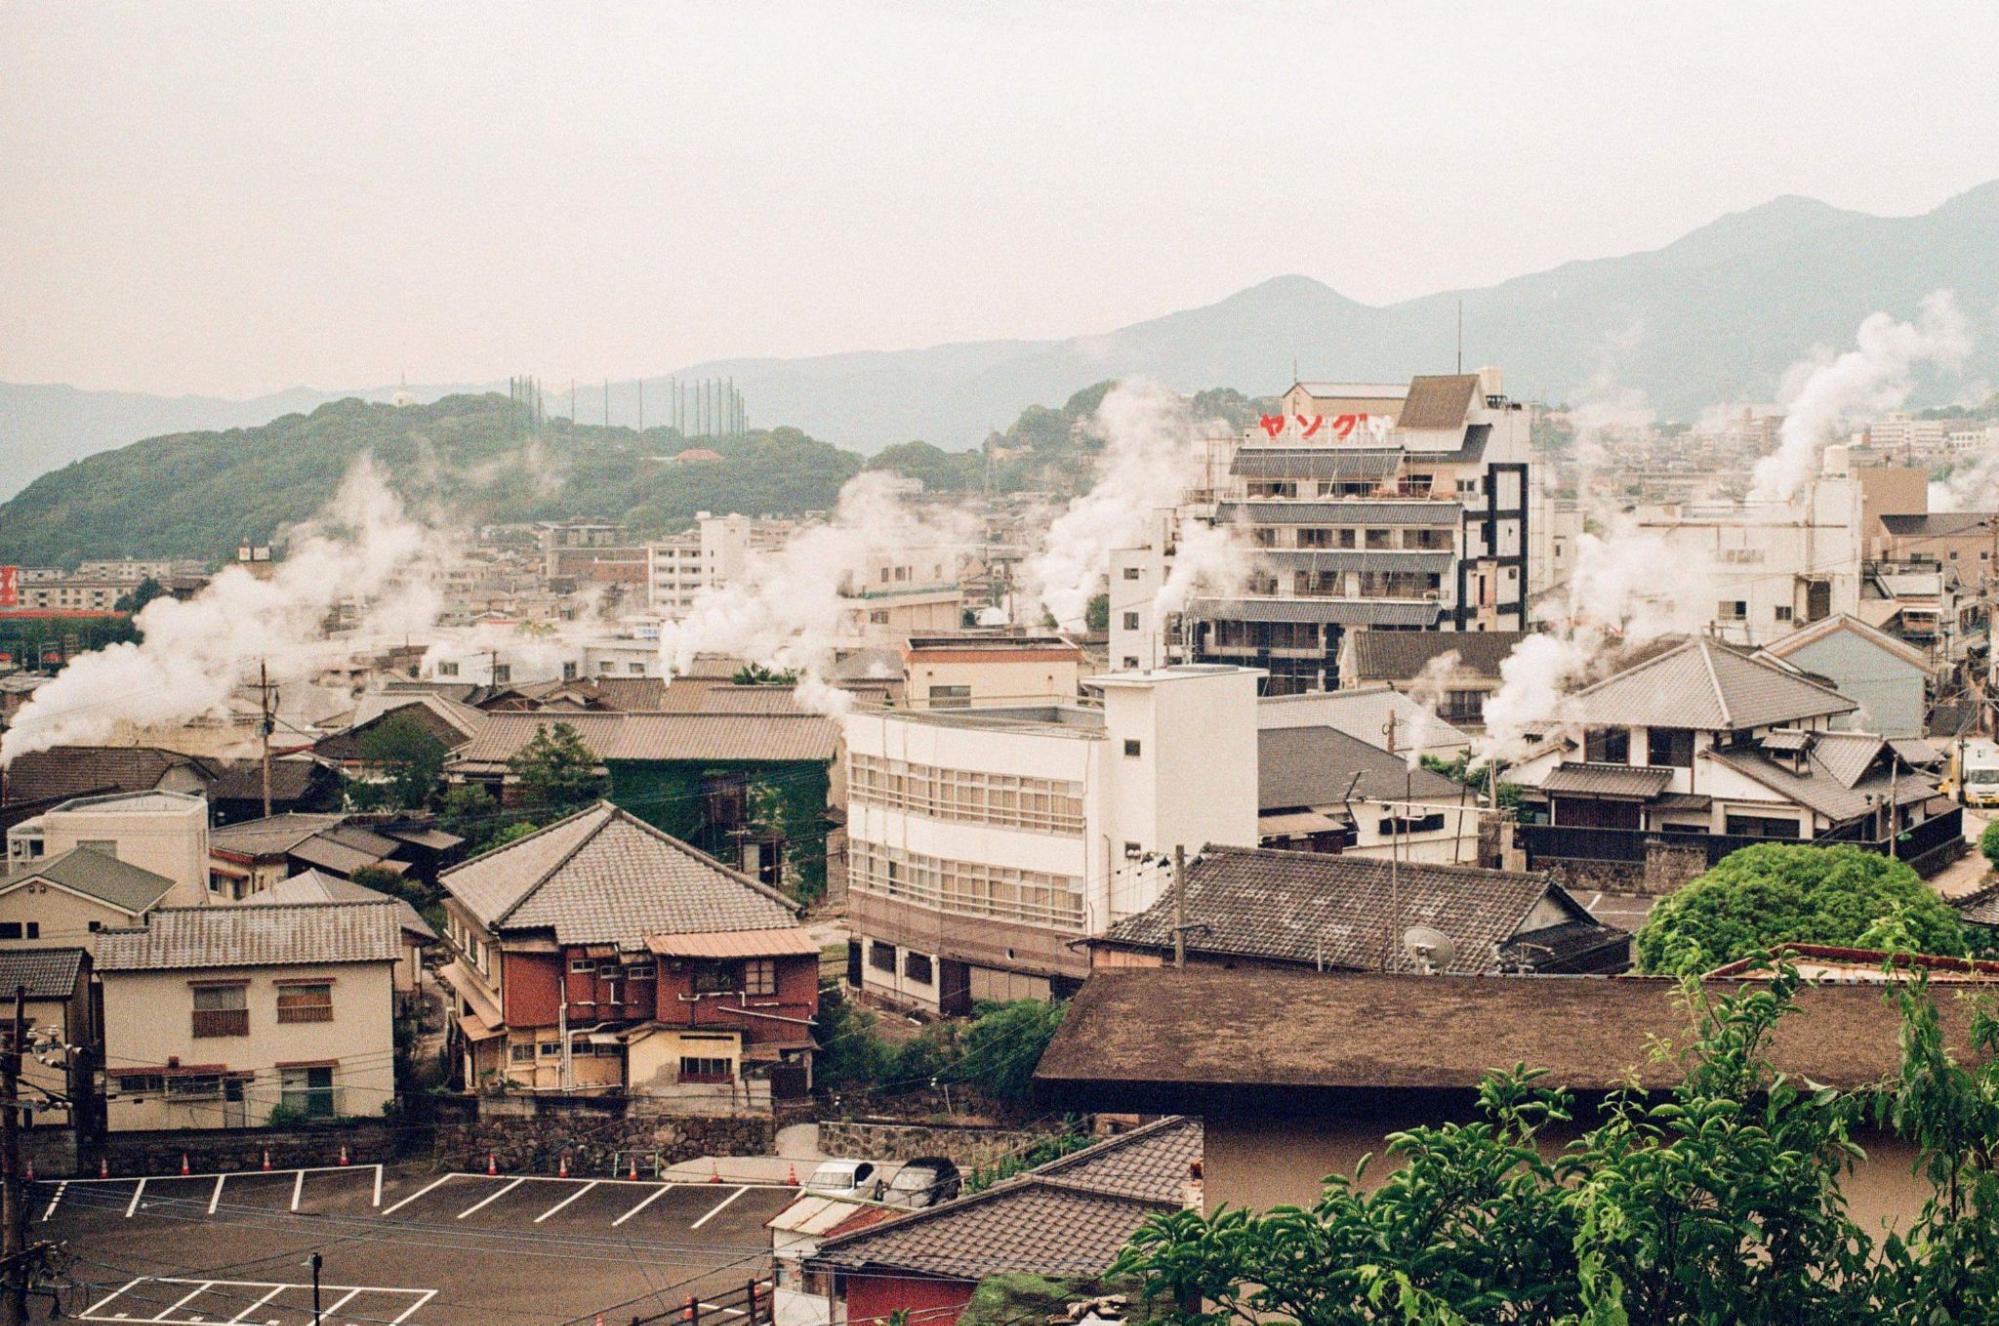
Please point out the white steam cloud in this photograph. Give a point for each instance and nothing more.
(194, 655)
(1876, 375)
(785, 612)
(1153, 451)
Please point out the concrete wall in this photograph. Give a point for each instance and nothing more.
(148, 1022)
(526, 1136)
(166, 834)
(968, 1147)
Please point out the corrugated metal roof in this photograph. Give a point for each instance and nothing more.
(1437, 400)
(769, 738)
(1344, 612)
(1355, 511)
(765, 943)
(1314, 766)
(1350, 463)
(290, 934)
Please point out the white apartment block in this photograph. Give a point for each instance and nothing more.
(1361, 507)
(716, 551)
(1772, 566)
(158, 831)
(898, 593)
(982, 843)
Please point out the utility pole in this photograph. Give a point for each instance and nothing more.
(265, 724)
(13, 1201)
(1179, 904)
(315, 1264)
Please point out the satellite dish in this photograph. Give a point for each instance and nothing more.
(1430, 949)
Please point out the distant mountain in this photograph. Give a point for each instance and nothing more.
(1716, 316)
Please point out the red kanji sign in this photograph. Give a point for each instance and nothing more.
(10, 586)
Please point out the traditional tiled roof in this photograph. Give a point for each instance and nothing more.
(450, 725)
(1401, 655)
(314, 886)
(1363, 712)
(272, 836)
(1344, 911)
(1148, 1035)
(1980, 908)
(769, 738)
(1354, 511)
(1607, 780)
(1346, 612)
(1819, 789)
(243, 780)
(603, 876)
(90, 872)
(1069, 1218)
(1315, 766)
(47, 973)
(290, 934)
(1437, 400)
(1704, 685)
(69, 771)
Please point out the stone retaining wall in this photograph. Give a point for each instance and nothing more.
(536, 1140)
(970, 1147)
(224, 1150)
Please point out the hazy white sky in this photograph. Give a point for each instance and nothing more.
(230, 198)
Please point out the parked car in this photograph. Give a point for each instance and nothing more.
(847, 1178)
(923, 1182)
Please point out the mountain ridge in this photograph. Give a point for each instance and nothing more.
(1711, 317)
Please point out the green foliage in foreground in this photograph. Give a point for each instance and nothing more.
(1988, 844)
(1717, 1203)
(1777, 893)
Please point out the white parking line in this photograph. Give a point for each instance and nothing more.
(338, 1303)
(433, 1184)
(215, 1198)
(274, 1292)
(648, 1200)
(116, 1293)
(196, 1292)
(378, 1185)
(565, 1201)
(718, 1208)
(490, 1198)
(61, 1188)
(298, 1188)
(137, 1193)
(404, 1315)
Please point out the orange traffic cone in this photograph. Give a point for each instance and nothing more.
(714, 1174)
(343, 1153)
(267, 1160)
(103, 1168)
(791, 1175)
(184, 1167)
(633, 1172)
(492, 1165)
(562, 1166)
(600, 1319)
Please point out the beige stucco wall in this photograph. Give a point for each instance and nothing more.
(167, 841)
(148, 1020)
(64, 918)
(1007, 682)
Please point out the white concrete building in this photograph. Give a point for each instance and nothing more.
(716, 551)
(158, 831)
(1772, 566)
(983, 843)
(898, 593)
(1362, 507)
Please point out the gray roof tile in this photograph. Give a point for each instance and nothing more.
(1704, 685)
(290, 934)
(1401, 655)
(47, 973)
(1313, 766)
(90, 872)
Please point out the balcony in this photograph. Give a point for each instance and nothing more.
(221, 1022)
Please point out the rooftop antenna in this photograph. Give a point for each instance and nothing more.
(1430, 950)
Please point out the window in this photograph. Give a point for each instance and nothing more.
(640, 971)
(312, 1002)
(1393, 825)
(1670, 747)
(1464, 706)
(717, 978)
(583, 966)
(132, 1084)
(221, 1010)
(1131, 748)
(760, 976)
(878, 617)
(194, 1086)
(882, 956)
(1731, 610)
(1131, 621)
(1607, 745)
(308, 1091)
(1130, 662)
(548, 1049)
(1758, 826)
(521, 1052)
(950, 697)
(502, 673)
(1131, 573)
(12, 930)
(916, 966)
(703, 1069)
(447, 669)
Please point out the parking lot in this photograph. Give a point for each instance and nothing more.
(407, 1246)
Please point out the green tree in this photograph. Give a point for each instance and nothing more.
(756, 674)
(1003, 1045)
(1097, 613)
(467, 810)
(408, 759)
(510, 833)
(1717, 1203)
(1777, 893)
(1988, 844)
(556, 772)
(142, 593)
